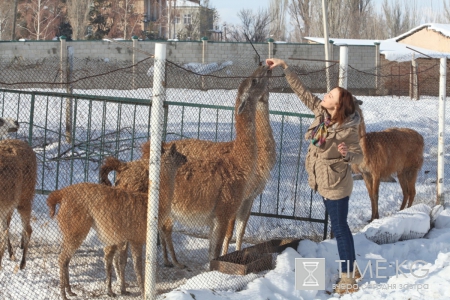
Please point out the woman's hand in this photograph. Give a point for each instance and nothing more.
(274, 62)
(342, 148)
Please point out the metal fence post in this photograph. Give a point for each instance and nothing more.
(441, 145)
(270, 42)
(343, 66)
(135, 44)
(64, 65)
(156, 129)
(377, 66)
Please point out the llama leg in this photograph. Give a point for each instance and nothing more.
(375, 190)
(10, 250)
(109, 255)
(168, 244)
(368, 180)
(242, 220)
(217, 235)
(3, 239)
(120, 262)
(74, 230)
(136, 252)
(228, 236)
(412, 178)
(25, 215)
(64, 259)
(402, 178)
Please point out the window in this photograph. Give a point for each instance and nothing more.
(176, 19)
(187, 19)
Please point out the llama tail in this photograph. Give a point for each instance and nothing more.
(53, 199)
(110, 164)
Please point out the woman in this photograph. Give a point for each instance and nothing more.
(334, 146)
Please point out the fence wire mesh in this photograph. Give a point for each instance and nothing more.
(88, 125)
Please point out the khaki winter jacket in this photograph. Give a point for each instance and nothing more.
(328, 172)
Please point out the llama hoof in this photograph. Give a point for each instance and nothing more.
(23, 265)
(111, 294)
(168, 265)
(12, 257)
(125, 293)
(180, 266)
(71, 293)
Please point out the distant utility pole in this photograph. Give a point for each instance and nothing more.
(13, 35)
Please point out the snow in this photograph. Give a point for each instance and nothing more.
(423, 267)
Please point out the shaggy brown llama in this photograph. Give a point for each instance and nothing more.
(266, 159)
(209, 190)
(18, 171)
(393, 150)
(118, 216)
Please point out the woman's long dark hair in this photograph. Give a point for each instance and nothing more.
(345, 107)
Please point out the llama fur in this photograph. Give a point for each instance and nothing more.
(118, 216)
(209, 191)
(393, 150)
(266, 159)
(18, 171)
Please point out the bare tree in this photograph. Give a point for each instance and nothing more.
(6, 18)
(278, 9)
(398, 18)
(40, 18)
(126, 18)
(254, 25)
(78, 16)
(446, 11)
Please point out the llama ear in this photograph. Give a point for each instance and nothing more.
(243, 103)
(173, 149)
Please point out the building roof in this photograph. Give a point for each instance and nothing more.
(183, 3)
(391, 49)
(444, 29)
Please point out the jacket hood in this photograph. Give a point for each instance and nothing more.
(352, 121)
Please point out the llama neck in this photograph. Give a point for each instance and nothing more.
(245, 146)
(264, 136)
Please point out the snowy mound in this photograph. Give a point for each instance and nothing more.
(204, 69)
(443, 219)
(410, 223)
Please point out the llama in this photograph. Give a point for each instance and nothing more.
(209, 191)
(18, 171)
(118, 216)
(266, 159)
(393, 150)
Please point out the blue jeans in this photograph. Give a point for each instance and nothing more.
(338, 211)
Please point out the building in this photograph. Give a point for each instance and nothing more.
(176, 19)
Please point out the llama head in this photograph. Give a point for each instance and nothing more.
(8, 125)
(173, 157)
(252, 88)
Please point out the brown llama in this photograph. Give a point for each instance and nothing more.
(266, 159)
(393, 150)
(18, 171)
(209, 190)
(118, 216)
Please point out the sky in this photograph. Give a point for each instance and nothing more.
(228, 9)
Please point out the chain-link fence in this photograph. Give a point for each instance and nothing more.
(80, 138)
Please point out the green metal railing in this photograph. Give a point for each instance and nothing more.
(103, 126)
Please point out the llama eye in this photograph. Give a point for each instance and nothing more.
(254, 81)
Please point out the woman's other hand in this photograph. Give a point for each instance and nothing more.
(342, 148)
(275, 62)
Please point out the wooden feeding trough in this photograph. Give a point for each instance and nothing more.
(253, 259)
